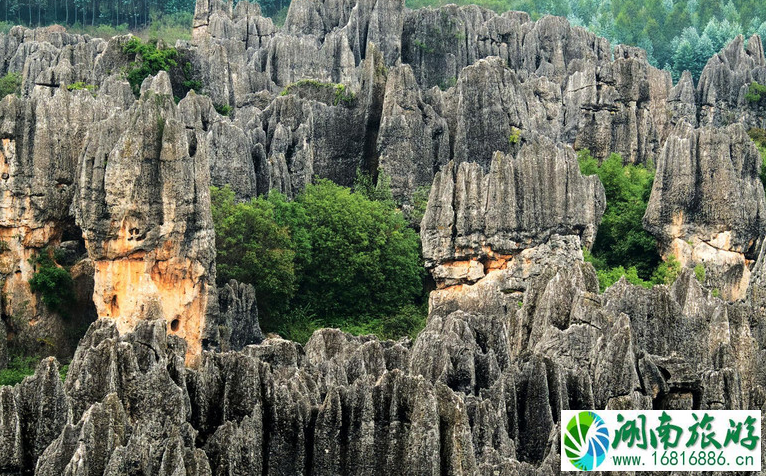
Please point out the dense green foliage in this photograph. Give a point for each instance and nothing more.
(20, 367)
(666, 272)
(53, 282)
(253, 248)
(623, 247)
(677, 34)
(149, 60)
(756, 93)
(621, 238)
(10, 84)
(759, 137)
(330, 257)
(123, 14)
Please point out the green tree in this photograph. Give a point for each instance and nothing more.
(364, 259)
(330, 257)
(53, 282)
(253, 248)
(621, 238)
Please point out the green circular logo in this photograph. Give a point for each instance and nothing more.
(586, 441)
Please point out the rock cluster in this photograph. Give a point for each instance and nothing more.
(707, 204)
(478, 392)
(484, 109)
(477, 222)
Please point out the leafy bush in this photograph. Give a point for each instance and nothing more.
(63, 370)
(150, 60)
(608, 276)
(330, 257)
(189, 82)
(222, 109)
(343, 95)
(667, 271)
(699, 273)
(53, 282)
(10, 84)
(82, 86)
(18, 368)
(621, 239)
(755, 92)
(515, 135)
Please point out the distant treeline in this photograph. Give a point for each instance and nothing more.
(118, 16)
(129, 14)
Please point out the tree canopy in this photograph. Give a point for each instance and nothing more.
(330, 257)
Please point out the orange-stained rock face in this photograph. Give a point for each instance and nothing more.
(137, 284)
(459, 272)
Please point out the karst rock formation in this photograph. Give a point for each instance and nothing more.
(174, 376)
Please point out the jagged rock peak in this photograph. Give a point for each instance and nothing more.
(474, 218)
(707, 203)
(724, 83)
(143, 204)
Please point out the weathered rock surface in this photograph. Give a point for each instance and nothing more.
(477, 222)
(724, 84)
(478, 392)
(707, 204)
(483, 108)
(143, 204)
(239, 315)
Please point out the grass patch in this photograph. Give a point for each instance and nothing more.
(82, 86)
(338, 93)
